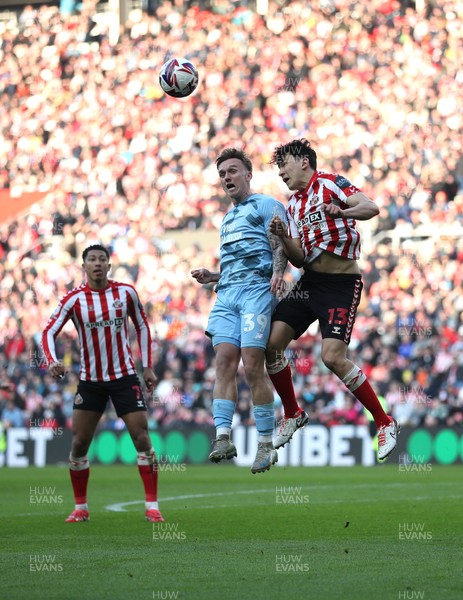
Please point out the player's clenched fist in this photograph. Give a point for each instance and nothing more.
(278, 227)
(57, 370)
(204, 275)
(333, 210)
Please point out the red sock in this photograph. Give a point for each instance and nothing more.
(149, 475)
(369, 399)
(79, 480)
(283, 383)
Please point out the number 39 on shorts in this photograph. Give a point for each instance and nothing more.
(251, 319)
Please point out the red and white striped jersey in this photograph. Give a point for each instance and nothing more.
(101, 320)
(318, 231)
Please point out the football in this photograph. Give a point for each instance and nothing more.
(178, 77)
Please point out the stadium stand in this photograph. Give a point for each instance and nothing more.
(376, 86)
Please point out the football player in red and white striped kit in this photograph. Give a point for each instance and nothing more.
(324, 240)
(100, 310)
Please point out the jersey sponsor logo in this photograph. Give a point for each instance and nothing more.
(315, 220)
(232, 237)
(118, 322)
(310, 219)
(314, 217)
(342, 182)
(228, 228)
(78, 399)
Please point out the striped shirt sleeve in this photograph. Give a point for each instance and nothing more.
(140, 321)
(58, 319)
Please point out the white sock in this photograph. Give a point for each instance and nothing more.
(223, 431)
(82, 506)
(150, 505)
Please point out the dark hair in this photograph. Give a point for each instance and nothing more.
(234, 153)
(94, 247)
(296, 148)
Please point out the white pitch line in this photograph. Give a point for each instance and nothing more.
(119, 506)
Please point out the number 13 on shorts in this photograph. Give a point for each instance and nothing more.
(338, 316)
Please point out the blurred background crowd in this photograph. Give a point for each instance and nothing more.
(376, 87)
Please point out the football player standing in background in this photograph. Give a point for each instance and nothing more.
(252, 264)
(100, 310)
(323, 239)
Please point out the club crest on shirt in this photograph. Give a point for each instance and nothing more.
(118, 304)
(91, 308)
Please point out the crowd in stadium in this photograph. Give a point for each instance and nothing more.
(377, 88)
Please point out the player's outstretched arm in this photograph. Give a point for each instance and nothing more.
(205, 276)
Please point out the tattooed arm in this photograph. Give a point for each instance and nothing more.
(292, 247)
(277, 284)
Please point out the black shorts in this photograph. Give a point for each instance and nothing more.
(125, 393)
(330, 298)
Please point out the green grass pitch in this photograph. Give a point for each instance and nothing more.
(318, 533)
